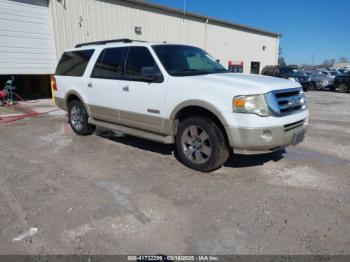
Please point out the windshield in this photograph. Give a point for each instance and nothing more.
(181, 60)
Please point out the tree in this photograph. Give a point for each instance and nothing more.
(343, 59)
(294, 66)
(328, 62)
(281, 60)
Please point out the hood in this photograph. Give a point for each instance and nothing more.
(248, 84)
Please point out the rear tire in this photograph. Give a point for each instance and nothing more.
(201, 144)
(78, 119)
(343, 88)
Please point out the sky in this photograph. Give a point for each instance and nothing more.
(312, 30)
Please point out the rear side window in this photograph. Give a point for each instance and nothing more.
(139, 59)
(74, 63)
(109, 65)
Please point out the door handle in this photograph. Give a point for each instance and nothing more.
(90, 84)
(126, 88)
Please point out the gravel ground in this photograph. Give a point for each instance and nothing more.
(105, 194)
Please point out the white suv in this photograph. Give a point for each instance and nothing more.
(179, 94)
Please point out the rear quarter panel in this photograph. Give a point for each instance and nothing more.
(67, 85)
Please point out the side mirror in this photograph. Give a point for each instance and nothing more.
(151, 74)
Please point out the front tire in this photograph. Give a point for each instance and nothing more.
(78, 119)
(201, 144)
(343, 88)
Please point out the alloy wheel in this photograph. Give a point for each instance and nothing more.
(77, 117)
(196, 144)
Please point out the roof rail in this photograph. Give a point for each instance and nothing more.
(122, 40)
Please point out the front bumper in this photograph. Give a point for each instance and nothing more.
(265, 140)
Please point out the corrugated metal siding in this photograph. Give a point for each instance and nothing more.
(227, 44)
(90, 20)
(26, 37)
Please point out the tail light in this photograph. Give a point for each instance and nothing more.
(53, 84)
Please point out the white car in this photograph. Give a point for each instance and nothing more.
(179, 94)
(322, 79)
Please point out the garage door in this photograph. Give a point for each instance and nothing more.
(26, 37)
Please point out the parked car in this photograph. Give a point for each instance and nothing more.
(290, 74)
(342, 82)
(179, 94)
(327, 74)
(334, 74)
(321, 79)
(342, 71)
(339, 71)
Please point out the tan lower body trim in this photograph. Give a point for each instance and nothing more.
(60, 103)
(134, 120)
(104, 113)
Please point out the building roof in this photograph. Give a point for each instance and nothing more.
(204, 18)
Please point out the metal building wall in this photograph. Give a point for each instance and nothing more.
(78, 21)
(26, 38)
(236, 45)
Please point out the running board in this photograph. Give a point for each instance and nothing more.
(133, 131)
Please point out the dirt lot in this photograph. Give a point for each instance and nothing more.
(106, 194)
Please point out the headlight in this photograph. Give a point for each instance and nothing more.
(252, 104)
(292, 79)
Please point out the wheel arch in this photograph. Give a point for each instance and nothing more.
(199, 107)
(73, 95)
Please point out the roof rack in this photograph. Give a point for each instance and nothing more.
(122, 40)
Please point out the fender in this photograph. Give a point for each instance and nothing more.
(200, 103)
(73, 92)
(171, 125)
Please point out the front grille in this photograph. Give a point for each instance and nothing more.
(286, 102)
(294, 125)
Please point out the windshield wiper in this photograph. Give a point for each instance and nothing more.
(222, 70)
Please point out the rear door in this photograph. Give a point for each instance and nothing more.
(104, 84)
(142, 101)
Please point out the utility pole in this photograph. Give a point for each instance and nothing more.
(184, 29)
(184, 7)
(313, 58)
